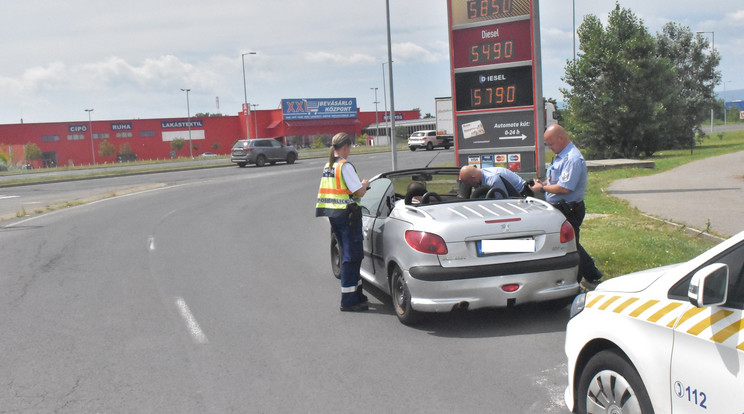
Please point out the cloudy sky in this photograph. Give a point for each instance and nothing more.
(131, 59)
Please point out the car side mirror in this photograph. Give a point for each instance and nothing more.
(709, 286)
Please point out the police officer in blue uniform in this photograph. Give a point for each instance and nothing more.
(507, 182)
(564, 188)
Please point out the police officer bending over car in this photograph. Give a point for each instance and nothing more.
(564, 188)
(504, 182)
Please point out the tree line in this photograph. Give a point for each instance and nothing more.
(632, 94)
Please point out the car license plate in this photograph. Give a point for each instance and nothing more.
(506, 246)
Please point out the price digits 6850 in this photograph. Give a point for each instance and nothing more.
(488, 8)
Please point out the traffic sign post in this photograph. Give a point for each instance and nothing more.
(497, 84)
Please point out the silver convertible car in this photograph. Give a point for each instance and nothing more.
(434, 245)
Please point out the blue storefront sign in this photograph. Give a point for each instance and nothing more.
(77, 128)
(313, 108)
(121, 126)
(195, 123)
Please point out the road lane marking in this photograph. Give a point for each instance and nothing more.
(191, 324)
(2, 197)
(151, 243)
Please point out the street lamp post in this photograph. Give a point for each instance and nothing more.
(573, 4)
(188, 114)
(90, 127)
(255, 119)
(713, 47)
(725, 109)
(245, 91)
(393, 149)
(377, 120)
(384, 94)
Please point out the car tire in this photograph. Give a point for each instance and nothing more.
(335, 256)
(412, 148)
(241, 164)
(402, 299)
(446, 146)
(260, 161)
(429, 146)
(291, 158)
(607, 373)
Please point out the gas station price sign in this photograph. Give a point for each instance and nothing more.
(496, 81)
(488, 45)
(473, 11)
(494, 88)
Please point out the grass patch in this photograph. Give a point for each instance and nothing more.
(623, 240)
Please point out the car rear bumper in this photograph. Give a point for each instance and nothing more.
(243, 158)
(439, 273)
(487, 290)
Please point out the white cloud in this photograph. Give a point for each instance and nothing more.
(337, 58)
(131, 59)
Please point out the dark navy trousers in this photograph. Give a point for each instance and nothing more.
(349, 237)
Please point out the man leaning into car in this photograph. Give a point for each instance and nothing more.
(505, 181)
(564, 189)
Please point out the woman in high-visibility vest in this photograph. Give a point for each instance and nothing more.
(338, 199)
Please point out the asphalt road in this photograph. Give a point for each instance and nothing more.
(706, 195)
(210, 291)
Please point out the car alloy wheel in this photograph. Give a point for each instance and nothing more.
(260, 161)
(291, 158)
(610, 384)
(402, 299)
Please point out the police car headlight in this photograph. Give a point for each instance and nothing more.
(578, 304)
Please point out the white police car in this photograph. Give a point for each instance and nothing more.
(665, 340)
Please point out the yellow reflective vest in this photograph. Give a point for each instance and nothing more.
(333, 195)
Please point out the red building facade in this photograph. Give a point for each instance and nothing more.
(70, 143)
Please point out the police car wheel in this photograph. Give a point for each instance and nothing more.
(402, 299)
(610, 384)
(335, 257)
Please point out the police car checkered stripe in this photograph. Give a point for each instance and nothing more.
(717, 326)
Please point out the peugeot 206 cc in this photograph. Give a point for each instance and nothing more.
(435, 245)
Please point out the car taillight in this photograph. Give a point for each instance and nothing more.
(426, 242)
(567, 232)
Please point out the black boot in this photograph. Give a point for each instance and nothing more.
(360, 294)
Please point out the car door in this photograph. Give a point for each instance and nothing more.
(375, 212)
(274, 150)
(708, 354)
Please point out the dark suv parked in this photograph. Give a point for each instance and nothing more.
(259, 151)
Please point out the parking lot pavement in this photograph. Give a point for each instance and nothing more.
(705, 195)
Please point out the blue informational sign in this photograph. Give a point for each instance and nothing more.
(195, 123)
(121, 126)
(77, 128)
(313, 108)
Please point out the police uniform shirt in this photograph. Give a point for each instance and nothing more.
(492, 178)
(569, 171)
(350, 177)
